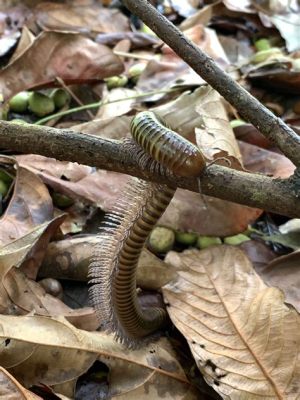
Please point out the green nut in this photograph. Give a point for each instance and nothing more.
(265, 55)
(161, 240)
(135, 71)
(186, 238)
(237, 122)
(207, 241)
(116, 81)
(61, 200)
(19, 102)
(262, 44)
(236, 239)
(60, 97)
(3, 188)
(40, 104)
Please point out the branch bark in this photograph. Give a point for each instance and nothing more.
(247, 105)
(254, 190)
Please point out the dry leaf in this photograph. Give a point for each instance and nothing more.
(78, 18)
(71, 57)
(214, 134)
(30, 205)
(265, 161)
(283, 272)
(54, 352)
(70, 258)
(119, 108)
(10, 388)
(243, 337)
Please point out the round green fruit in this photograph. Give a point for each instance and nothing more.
(186, 238)
(116, 81)
(161, 240)
(236, 239)
(262, 44)
(40, 104)
(19, 102)
(206, 241)
(60, 97)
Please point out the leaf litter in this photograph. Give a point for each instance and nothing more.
(242, 332)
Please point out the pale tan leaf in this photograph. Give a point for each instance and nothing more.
(215, 134)
(10, 389)
(56, 352)
(244, 339)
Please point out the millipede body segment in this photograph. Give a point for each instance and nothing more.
(165, 146)
(126, 228)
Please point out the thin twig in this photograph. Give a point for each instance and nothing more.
(247, 105)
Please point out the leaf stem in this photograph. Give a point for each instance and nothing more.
(99, 104)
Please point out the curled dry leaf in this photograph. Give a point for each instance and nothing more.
(71, 57)
(215, 134)
(244, 339)
(10, 388)
(55, 352)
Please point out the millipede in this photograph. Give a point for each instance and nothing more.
(126, 228)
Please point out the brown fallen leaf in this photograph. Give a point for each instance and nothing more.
(206, 215)
(41, 63)
(137, 39)
(244, 339)
(75, 180)
(29, 296)
(283, 272)
(70, 259)
(26, 39)
(214, 134)
(20, 294)
(265, 161)
(88, 17)
(55, 352)
(10, 388)
(30, 205)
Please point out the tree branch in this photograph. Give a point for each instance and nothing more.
(276, 195)
(247, 105)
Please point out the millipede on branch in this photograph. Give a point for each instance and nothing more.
(127, 227)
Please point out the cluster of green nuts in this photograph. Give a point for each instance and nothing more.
(38, 103)
(133, 74)
(163, 239)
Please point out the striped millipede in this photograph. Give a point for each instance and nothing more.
(126, 228)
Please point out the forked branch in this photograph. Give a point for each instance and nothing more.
(247, 105)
